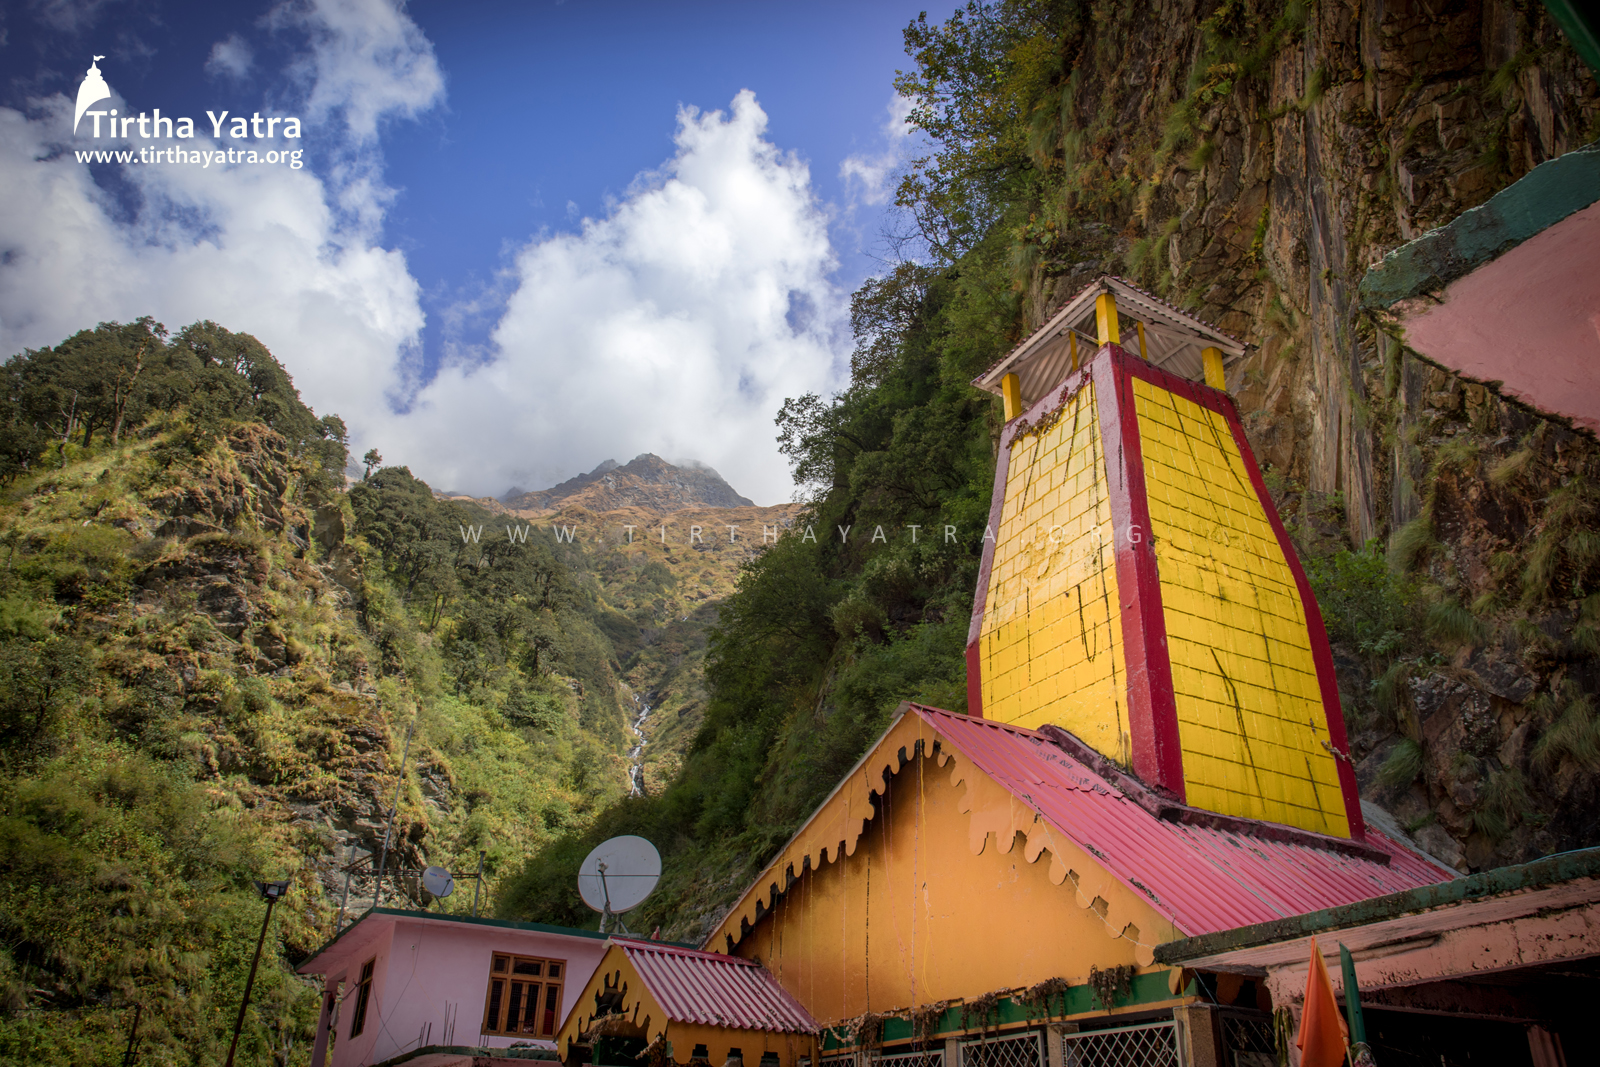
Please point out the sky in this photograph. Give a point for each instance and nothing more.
(512, 239)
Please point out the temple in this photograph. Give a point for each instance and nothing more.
(1153, 752)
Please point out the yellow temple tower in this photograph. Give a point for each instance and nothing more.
(1139, 591)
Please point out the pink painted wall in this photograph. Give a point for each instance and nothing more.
(1529, 319)
(423, 964)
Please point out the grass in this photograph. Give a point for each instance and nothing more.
(1573, 734)
(1502, 804)
(1449, 622)
(1402, 765)
(1412, 543)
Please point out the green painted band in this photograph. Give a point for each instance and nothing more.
(1540, 199)
(1077, 1000)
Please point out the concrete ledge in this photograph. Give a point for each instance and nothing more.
(1552, 870)
(1540, 199)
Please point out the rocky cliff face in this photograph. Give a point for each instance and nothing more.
(1251, 161)
(646, 481)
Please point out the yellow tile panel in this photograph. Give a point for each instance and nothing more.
(1243, 674)
(1051, 646)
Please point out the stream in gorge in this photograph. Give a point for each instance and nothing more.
(636, 753)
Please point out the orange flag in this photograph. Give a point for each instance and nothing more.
(1323, 1036)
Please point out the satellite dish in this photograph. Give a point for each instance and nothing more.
(437, 881)
(618, 875)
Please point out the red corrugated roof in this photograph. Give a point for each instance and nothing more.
(707, 987)
(1203, 879)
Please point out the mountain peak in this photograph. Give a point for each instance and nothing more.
(646, 481)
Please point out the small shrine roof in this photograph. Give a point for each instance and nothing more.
(713, 989)
(1174, 340)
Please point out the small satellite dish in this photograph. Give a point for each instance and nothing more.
(618, 875)
(437, 881)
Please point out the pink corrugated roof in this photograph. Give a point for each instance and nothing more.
(1203, 879)
(707, 987)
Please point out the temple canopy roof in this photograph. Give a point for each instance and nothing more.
(1173, 341)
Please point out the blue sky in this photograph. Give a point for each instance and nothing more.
(510, 214)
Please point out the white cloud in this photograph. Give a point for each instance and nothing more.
(368, 61)
(231, 58)
(69, 16)
(676, 325)
(870, 177)
(269, 250)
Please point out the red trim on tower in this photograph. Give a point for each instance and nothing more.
(1321, 653)
(974, 681)
(1152, 707)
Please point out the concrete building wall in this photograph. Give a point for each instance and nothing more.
(432, 974)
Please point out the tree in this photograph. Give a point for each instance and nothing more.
(372, 460)
(37, 679)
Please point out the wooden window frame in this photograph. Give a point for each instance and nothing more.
(363, 992)
(506, 997)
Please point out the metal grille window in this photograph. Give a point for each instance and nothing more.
(1247, 1041)
(529, 991)
(910, 1057)
(846, 1060)
(1151, 1045)
(1020, 1050)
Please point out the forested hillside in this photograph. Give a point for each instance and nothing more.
(212, 658)
(1247, 160)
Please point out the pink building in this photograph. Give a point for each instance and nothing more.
(431, 990)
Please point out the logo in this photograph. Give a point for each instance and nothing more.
(93, 90)
(159, 131)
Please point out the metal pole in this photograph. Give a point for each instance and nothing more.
(133, 1037)
(479, 887)
(1352, 998)
(349, 865)
(383, 857)
(250, 982)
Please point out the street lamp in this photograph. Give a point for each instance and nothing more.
(270, 892)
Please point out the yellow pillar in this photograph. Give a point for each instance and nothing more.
(1011, 393)
(1072, 342)
(1214, 374)
(1105, 319)
(1142, 353)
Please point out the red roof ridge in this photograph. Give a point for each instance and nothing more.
(1164, 806)
(669, 948)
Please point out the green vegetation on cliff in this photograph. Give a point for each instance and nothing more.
(210, 657)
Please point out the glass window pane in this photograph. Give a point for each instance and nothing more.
(499, 964)
(530, 1015)
(491, 1019)
(555, 970)
(533, 967)
(552, 1004)
(514, 1012)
